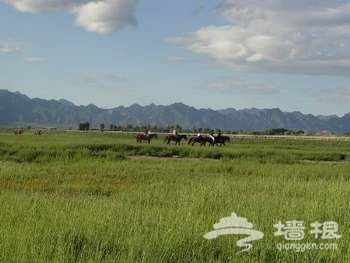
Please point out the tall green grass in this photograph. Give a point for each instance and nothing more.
(99, 198)
(61, 146)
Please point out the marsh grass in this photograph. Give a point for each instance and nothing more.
(85, 198)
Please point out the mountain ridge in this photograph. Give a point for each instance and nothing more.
(18, 109)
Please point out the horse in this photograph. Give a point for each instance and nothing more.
(175, 138)
(195, 139)
(145, 137)
(202, 140)
(221, 140)
(18, 131)
(38, 132)
(208, 139)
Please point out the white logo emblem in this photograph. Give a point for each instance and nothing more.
(234, 225)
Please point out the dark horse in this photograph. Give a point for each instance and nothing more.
(175, 138)
(18, 131)
(221, 140)
(202, 140)
(38, 132)
(145, 137)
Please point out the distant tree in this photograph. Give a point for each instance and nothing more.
(278, 131)
(102, 127)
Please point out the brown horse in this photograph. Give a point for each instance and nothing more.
(145, 137)
(202, 140)
(175, 138)
(38, 132)
(221, 140)
(18, 131)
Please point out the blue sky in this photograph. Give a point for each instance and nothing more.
(294, 55)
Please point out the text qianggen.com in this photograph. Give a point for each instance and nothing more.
(301, 247)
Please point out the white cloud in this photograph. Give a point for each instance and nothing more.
(301, 36)
(35, 60)
(34, 6)
(334, 95)
(9, 47)
(103, 79)
(240, 87)
(177, 59)
(99, 16)
(106, 16)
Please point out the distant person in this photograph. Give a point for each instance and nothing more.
(211, 136)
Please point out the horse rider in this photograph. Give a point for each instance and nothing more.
(147, 132)
(219, 133)
(211, 136)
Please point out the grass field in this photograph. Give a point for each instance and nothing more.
(93, 197)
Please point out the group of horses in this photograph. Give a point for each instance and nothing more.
(20, 131)
(202, 140)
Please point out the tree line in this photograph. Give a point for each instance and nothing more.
(85, 126)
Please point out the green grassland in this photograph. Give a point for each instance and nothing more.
(94, 197)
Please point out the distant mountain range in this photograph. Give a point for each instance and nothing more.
(17, 109)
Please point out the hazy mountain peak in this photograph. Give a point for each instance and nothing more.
(66, 102)
(17, 109)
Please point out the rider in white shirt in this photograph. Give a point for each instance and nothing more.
(211, 136)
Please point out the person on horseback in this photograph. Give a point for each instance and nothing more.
(219, 133)
(147, 135)
(211, 136)
(147, 132)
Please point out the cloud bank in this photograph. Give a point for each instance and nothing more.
(99, 16)
(241, 87)
(300, 36)
(9, 47)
